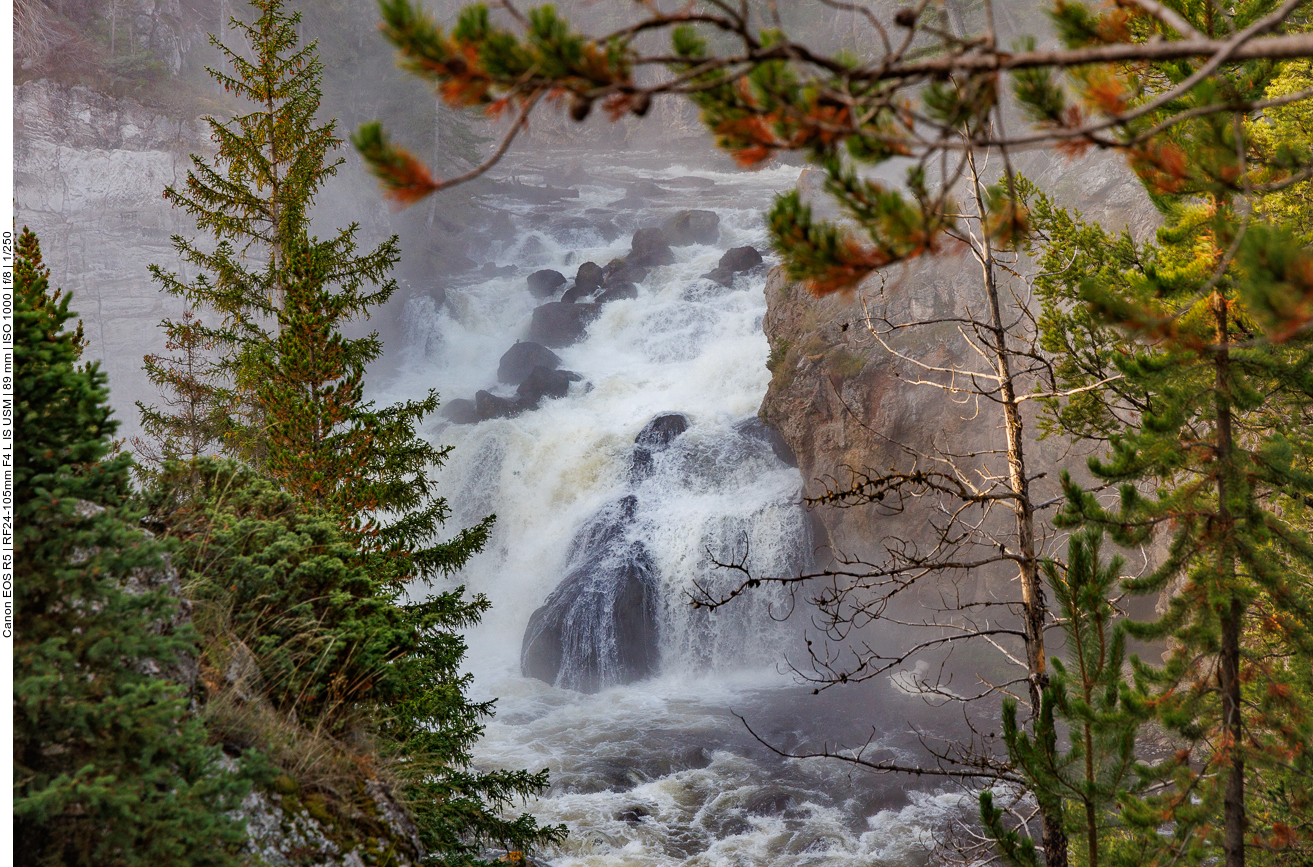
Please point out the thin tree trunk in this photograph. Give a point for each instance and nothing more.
(1228, 663)
(1034, 606)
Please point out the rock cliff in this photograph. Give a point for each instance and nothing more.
(843, 403)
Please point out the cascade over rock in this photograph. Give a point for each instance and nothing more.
(598, 628)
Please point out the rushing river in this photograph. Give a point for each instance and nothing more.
(660, 771)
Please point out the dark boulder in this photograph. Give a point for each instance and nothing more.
(692, 227)
(650, 247)
(617, 292)
(655, 436)
(575, 293)
(589, 276)
(520, 360)
(460, 411)
(492, 269)
(558, 324)
(662, 430)
(543, 284)
(543, 382)
(599, 626)
(734, 261)
(490, 406)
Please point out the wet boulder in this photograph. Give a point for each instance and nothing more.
(734, 261)
(617, 292)
(519, 361)
(692, 227)
(589, 277)
(543, 382)
(460, 411)
(557, 324)
(489, 406)
(599, 626)
(543, 284)
(689, 182)
(655, 437)
(650, 247)
(662, 430)
(576, 293)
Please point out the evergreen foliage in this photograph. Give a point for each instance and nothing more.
(255, 202)
(111, 768)
(1088, 697)
(1206, 426)
(341, 652)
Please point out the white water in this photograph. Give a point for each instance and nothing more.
(658, 772)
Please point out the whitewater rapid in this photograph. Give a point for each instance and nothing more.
(659, 772)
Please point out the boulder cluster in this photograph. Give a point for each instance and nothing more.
(572, 305)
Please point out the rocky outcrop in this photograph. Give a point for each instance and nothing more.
(598, 628)
(735, 261)
(841, 403)
(650, 247)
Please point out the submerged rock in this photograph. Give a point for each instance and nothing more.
(575, 293)
(519, 361)
(598, 628)
(617, 292)
(558, 324)
(655, 436)
(490, 406)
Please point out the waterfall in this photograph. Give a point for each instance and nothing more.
(615, 501)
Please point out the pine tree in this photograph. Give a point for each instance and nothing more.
(255, 201)
(1205, 421)
(110, 766)
(342, 654)
(1090, 699)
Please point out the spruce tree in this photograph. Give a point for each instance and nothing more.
(110, 767)
(254, 201)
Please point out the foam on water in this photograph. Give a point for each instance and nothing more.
(658, 772)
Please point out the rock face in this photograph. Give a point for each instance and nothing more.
(519, 361)
(840, 402)
(599, 626)
(543, 284)
(692, 227)
(650, 247)
(557, 324)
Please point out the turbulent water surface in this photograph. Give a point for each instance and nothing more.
(660, 771)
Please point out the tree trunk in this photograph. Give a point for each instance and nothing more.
(1228, 663)
(1034, 606)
